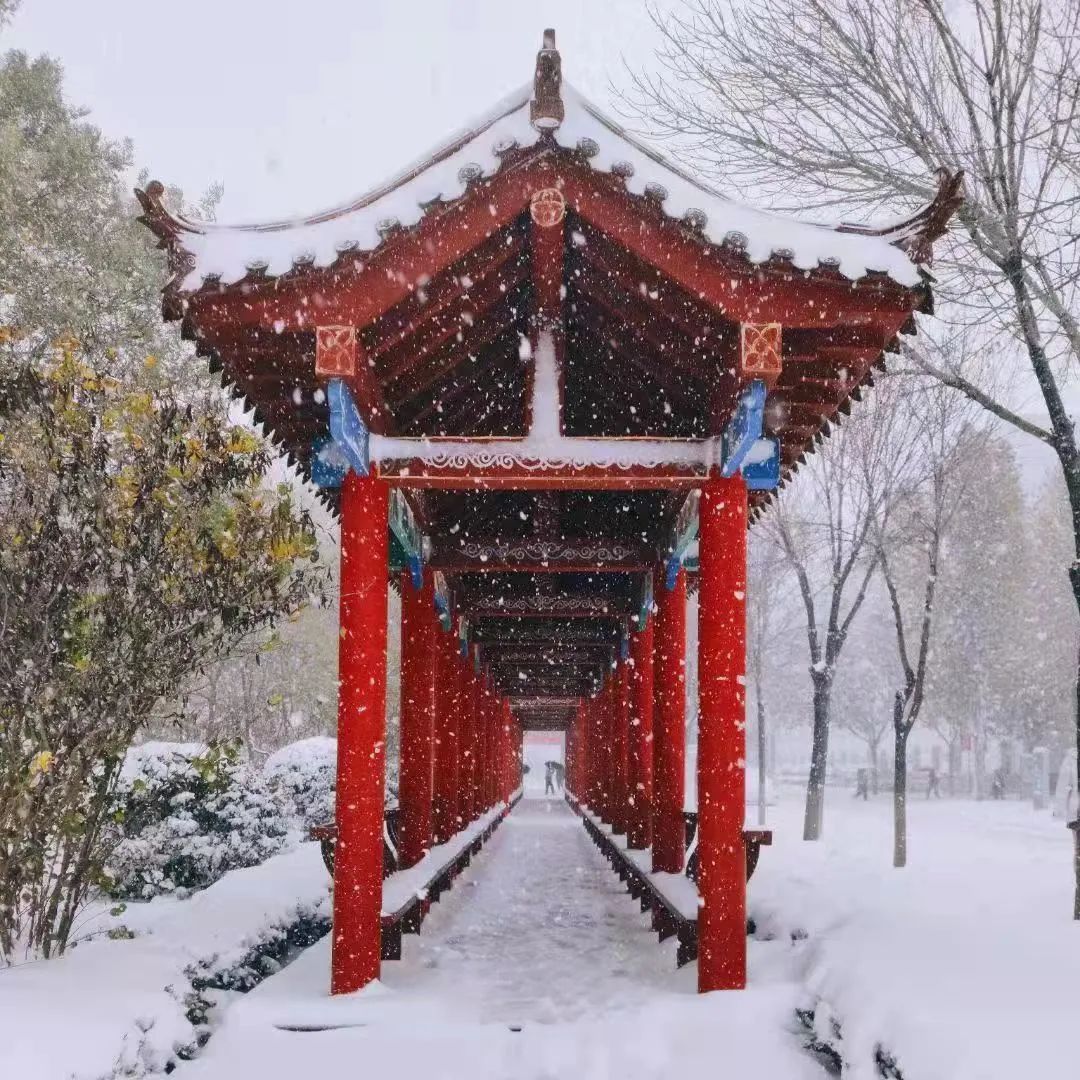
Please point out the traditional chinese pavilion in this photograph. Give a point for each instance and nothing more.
(529, 372)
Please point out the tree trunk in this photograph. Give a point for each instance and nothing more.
(1074, 577)
(762, 772)
(819, 755)
(899, 785)
(1069, 456)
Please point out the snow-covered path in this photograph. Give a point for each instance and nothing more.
(536, 965)
(542, 909)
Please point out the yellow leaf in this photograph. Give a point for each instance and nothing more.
(41, 762)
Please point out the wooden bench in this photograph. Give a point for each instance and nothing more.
(670, 917)
(409, 915)
(754, 839)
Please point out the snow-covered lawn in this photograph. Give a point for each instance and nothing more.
(536, 965)
(121, 1006)
(963, 966)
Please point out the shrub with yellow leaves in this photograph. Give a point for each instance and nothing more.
(139, 542)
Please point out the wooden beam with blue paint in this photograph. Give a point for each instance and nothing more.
(744, 428)
(761, 470)
(442, 602)
(645, 611)
(347, 427)
(348, 448)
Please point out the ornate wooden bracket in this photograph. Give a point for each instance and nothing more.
(336, 350)
(759, 351)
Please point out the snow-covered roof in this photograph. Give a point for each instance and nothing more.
(226, 253)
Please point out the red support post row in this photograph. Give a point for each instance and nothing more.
(620, 748)
(669, 726)
(361, 766)
(722, 736)
(419, 629)
(446, 749)
(640, 776)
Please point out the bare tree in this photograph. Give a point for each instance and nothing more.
(910, 549)
(856, 104)
(823, 524)
(764, 623)
(863, 692)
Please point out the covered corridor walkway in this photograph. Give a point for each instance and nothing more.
(536, 965)
(543, 931)
(547, 380)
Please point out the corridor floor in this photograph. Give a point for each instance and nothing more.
(536, 965)
(543, 930)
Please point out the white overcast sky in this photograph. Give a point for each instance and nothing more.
(296, 106)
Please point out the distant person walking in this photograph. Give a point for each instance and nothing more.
(549, 778)
(933, 783)
(862, 784)
(997, 785)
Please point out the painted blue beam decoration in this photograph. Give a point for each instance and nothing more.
(744, 429)
(686, 530)
(671, 571)
(407, 533)
(761, 470)
(347, 427)
(328, 463)
(646, 603)
(442, 601)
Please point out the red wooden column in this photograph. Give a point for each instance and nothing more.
(487, 743)
(582, 773)
(603, 745)
(504, 744)
(361, 765)
(722, 735)
(569, 755)
(479, 714)
(620, 749)
(669, 725)
(597, 737)
(446, 717)
(418, 631)
(484, 783)
(465, 741)
(639, 823)
(464, 701)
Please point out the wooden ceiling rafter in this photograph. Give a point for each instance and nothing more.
(464, 279)
(492, 363)
(606, 393)
(500, 322)
(603, 328)
(469, 407)
(453, 324)
(603, 259)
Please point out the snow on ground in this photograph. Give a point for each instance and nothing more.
(963, 965)
(537, 964)
(114, 1005)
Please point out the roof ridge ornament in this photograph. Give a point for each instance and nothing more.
(546, 109)
(916, 234)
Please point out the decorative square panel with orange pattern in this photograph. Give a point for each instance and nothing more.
(335, 351)
(760, 357)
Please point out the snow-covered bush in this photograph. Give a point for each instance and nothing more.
(186, 814)
(304, 772)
